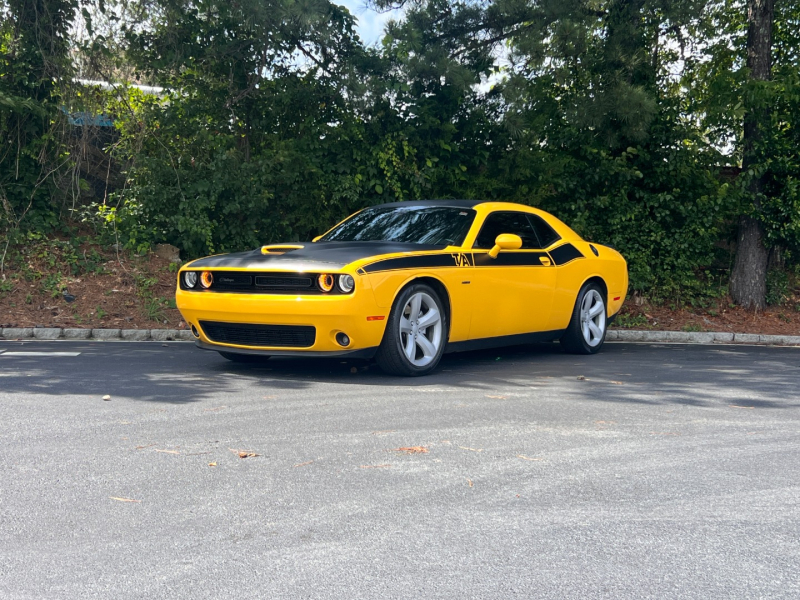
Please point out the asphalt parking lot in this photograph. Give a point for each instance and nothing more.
(647, 471)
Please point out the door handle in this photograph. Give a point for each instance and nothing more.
(545, 261)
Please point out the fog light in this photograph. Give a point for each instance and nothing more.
(190, 279)
(206, 279)
(343, 339)
(325, 282)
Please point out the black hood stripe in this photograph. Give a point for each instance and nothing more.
(327, 256)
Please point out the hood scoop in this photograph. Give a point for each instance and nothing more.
(280, 248)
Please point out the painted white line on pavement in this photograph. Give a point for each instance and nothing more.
(40, 354)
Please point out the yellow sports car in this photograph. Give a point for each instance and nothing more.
(404, 283)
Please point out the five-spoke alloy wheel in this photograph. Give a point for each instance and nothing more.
(586, 331)
(416, 333)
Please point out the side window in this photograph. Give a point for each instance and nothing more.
(506, 222)
(544, 232)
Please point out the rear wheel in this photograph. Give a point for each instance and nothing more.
(416, 333)
(586, 331)
(244, 358)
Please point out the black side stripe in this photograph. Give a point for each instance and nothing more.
(412, 262)
(560, 256)
(566, 253)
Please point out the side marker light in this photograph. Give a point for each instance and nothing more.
(376, 318)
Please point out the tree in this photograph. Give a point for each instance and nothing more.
(749, 275)
(34, 66)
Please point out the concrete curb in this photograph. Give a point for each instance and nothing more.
(54, 333)
(701, 337)
(184, 335)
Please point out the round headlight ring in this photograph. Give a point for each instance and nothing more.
(325, 282)
(189, 279)
(206, 279)
(346, 283)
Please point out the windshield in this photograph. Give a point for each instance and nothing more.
(435, 225)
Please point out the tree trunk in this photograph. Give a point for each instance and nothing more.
(748, 285)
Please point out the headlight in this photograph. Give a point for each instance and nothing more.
(346, 283)
(206, 279)
(190, 279)
(325, 282)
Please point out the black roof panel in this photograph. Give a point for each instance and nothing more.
(421, 203)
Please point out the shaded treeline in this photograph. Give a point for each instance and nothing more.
(655, 126)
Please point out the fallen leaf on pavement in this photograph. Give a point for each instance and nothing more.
(471, 449)
(308, 462)
(243, 453)
(212, 464)
(412, 449)
(123, 499)
(143, 447)
(523, 457)
(469, 482)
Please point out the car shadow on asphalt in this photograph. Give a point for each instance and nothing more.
(646, 374)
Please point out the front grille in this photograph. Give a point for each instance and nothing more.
(261, 282)
(284, 282)
(246, 334)
(232, 281)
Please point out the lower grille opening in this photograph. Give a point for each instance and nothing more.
(246, 334)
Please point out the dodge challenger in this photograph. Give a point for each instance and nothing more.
(405, 282)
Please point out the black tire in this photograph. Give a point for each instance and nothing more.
(244, 358)
(574, 340)
(392, 355)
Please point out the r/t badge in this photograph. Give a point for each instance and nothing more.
(462, 260)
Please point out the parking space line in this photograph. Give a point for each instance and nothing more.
(5, 353)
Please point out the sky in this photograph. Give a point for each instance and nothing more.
(370, 22)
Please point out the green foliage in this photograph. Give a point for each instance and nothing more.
(778, 289)
(624, 119)
(626, 321)
(33, 59)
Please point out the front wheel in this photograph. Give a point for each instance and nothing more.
(586, 331)
(416, 333)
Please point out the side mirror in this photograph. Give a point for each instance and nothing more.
(505, 241)
(315, 239)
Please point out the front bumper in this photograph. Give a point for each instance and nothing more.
(366, 353)
(329, 315)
